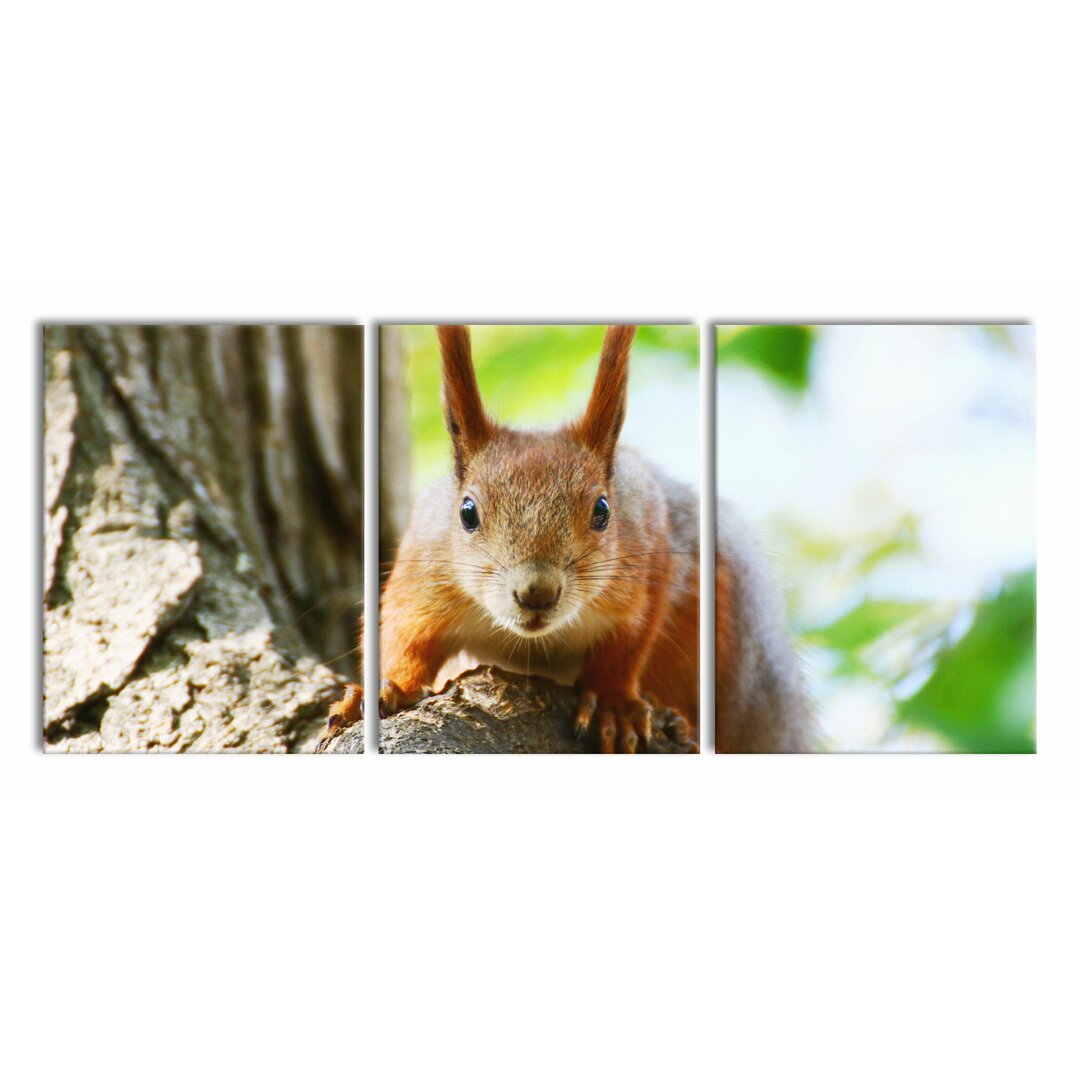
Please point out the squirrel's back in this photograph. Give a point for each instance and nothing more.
(761, 703)
(672, 674)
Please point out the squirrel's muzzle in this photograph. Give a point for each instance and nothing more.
(538, 596)
(536, 585)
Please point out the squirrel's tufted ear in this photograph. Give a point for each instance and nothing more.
(599, 428)
(468, 424)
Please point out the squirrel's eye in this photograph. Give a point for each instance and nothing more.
(601, 514)
(470, 517)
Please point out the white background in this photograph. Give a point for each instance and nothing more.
(772, 917)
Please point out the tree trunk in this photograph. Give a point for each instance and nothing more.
(395, 457)
(203, 534)
(488, 711)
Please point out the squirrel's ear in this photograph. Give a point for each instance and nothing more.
(599, 427)
(466, 420)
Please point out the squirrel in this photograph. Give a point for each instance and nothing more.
(567, 554)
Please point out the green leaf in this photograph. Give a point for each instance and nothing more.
(981, 695)
(780, 352)
(864, 623)
(903, 541)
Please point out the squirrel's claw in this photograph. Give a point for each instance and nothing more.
(392, 698)
(586, 709)
(679, 730)
(624, 726)
(347, 711)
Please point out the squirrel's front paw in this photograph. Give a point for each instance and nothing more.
(621, 724)
(347, 711)
(392, 698)
(679, 730)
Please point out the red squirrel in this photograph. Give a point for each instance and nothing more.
(567, 554)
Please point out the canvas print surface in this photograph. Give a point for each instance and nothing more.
(876, 538)
(539, 506)
(540, 491)
(203, 528)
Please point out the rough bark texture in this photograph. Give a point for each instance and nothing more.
(203, 523)
(488, 711)
(395, 452)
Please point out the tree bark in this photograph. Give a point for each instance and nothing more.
(488, 711)
(395, 451)
(203, 528)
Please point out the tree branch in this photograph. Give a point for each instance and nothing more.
(488, 711)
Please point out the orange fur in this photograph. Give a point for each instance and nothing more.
(727, 657)
(671, 674)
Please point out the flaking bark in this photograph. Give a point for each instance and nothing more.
(202, 534)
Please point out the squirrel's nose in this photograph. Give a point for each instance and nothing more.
(537, 596)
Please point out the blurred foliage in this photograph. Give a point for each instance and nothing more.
(780, 352)
(864, 624)
(976, 689)
(981, 693)
(876, 637)
(529, 375)
(843, 561)
(1004, 337)
(899, 659)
